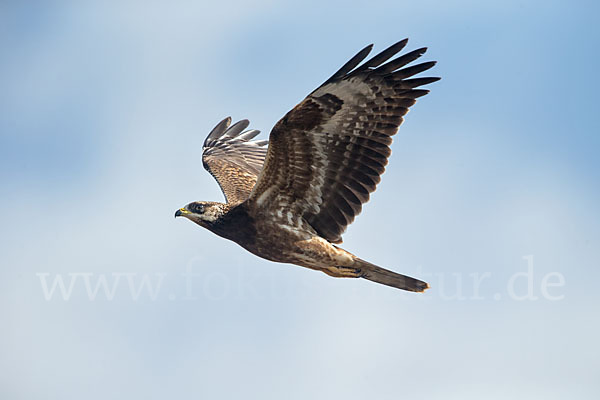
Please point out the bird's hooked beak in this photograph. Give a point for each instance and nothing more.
(181, 212)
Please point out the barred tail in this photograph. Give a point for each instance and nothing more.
(385, 277)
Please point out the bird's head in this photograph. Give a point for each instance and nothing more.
(203, 213)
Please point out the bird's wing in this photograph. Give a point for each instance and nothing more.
(233, 158)
(327, 154)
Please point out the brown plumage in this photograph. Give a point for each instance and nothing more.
(324, 159)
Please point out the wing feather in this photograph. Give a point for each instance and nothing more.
(327, 154)
(351, 64)
(384, 55)
(233, 159)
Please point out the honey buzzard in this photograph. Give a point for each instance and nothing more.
(291, 201)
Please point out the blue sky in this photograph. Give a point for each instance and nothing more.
(493, 179)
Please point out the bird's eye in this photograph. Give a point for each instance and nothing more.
(199, 209)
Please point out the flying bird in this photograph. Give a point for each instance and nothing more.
(290, 199)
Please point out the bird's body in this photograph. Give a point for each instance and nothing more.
(292, 202)
(277, 237)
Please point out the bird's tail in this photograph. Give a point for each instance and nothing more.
(381, 275)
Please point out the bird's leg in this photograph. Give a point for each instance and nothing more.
(318, 253)
(341, 271)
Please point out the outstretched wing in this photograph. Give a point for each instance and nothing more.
(233, 158)
(327, 154)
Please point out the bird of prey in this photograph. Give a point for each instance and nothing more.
(291, 201)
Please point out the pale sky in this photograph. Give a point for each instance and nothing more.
(491, 195)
